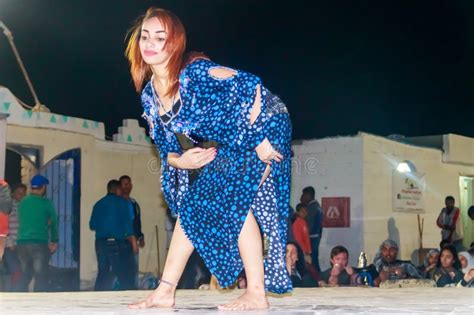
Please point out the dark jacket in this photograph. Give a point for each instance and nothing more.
(137, 220)
(111, 218)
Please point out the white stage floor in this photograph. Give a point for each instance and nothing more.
(301, 301)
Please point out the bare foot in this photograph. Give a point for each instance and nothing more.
(247, 301)
(162, 297)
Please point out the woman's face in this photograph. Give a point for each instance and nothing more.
(463, 261)
(152, 42)
(340, 260)
(447, 259)
(433, 258)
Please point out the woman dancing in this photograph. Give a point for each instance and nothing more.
(241, 195)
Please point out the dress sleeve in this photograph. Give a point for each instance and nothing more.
(174, 181)
(234, 94)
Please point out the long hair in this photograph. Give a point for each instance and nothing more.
(300, 263)
(175, 44)
(454, 252)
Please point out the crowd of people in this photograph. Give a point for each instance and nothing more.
(29, 236)
(447, 266)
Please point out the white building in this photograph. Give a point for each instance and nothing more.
(74, 154)
(364, 168)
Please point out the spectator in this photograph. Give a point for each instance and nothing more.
(300, 231)
(114, 240)
(340, 273)
(35, 244)
(467, 265)
(466, 261)
(296, 266)
(429, 263)
(390, 268)
(443, 243)
(5, 208)
(447, 272)
(11, 256)
(468, 279)
(449, 221)
(3, 233)
(127, 186)
(315, 223)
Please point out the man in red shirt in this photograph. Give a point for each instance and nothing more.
(301, 231)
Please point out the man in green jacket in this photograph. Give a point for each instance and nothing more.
(37, 235)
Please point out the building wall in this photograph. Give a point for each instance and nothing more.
(380, 157)
(334, 168)
(458, 149)
(102, 161)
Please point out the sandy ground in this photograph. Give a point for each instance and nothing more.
(301, 301)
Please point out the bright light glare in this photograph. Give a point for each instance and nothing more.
(403, 168)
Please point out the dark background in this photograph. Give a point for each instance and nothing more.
(385, 67)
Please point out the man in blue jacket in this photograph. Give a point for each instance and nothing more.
(114, 240)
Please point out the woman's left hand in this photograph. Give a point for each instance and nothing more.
(267, 153)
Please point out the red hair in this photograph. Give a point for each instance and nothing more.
(175, 44)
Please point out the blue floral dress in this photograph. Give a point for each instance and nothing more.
(213, 209)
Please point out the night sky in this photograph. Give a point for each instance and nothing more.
(384, 67)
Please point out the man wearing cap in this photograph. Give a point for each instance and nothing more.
(391, 268)
(37, 235)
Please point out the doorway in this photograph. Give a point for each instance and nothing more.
(466, 188)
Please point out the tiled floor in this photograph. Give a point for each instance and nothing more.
(302, 301)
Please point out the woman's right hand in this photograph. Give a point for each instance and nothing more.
(194, 158)
(267, 153)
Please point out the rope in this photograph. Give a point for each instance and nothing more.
(23, 104)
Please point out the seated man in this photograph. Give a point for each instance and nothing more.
(391, 268)
(340, 273)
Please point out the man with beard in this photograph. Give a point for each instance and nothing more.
(391, 268)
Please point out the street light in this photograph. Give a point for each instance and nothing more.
(38, 106)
